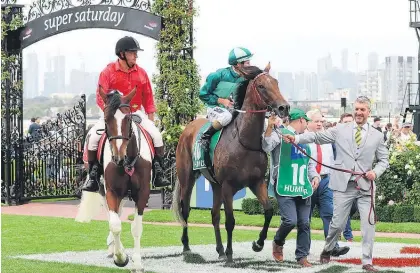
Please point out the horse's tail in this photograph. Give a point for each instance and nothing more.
(90, 206)
(176, 204)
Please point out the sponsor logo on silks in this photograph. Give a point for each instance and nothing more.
(27, 33)
(135, 106)
(151, 25)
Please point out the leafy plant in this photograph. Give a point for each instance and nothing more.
(177, 82)
(11, 19)
(400, 183)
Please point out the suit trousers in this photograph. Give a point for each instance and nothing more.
(343, 202)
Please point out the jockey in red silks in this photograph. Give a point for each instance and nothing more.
(123, 75)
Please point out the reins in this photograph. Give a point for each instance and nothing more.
(357, 174)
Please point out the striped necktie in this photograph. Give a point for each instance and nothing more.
(358, 136)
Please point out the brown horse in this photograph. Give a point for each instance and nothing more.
(239, 160)
(127, 168)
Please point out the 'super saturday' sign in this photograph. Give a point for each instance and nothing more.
(94, 16)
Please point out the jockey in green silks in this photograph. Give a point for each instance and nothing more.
(218, 90)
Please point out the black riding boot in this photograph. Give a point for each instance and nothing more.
(92, 184)
(206, 138)
(158, 164)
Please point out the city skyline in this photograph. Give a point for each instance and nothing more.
(292, 35)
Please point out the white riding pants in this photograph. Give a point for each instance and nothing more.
(222, 115)
(146, 123)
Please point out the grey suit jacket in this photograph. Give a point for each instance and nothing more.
(372, 148)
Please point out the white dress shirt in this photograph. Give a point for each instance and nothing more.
(327, 156)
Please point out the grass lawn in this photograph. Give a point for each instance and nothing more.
(242, 219)
(31, 234)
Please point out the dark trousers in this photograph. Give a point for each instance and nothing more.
(323, 198)
(294, 211)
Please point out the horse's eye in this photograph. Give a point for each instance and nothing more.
(261, 86)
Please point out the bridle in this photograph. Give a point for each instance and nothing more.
(256, 97)
(126, 163)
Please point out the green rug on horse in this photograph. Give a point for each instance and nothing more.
(198, 156)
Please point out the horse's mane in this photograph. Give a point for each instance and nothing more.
(250, 72)
(112, 105)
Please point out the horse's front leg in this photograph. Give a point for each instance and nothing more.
(110, 238)
(114, 201)
(228, 193)
(260, 191)
(137, 225)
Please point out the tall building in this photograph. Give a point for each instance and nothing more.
(286, 84)
(373, 61)
(344, 59)
(370, 84)
(312, 85)
(59, 64)
(300, 88)
(399, 71)
(324, 66)
(30, 76)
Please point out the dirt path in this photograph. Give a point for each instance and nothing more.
(70, 211)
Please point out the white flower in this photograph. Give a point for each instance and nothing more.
(409, 172)
(390, 203)
(407, 166)
(395, 176)
(380, 197)
(411, 162)
(417, 156)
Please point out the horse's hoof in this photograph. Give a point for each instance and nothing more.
(124, 263)
(229, 261)
(186, 250)
(256, 247)
(222, 257)
(110, 255)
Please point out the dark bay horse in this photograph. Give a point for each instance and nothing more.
(239, 160)
(126, 166)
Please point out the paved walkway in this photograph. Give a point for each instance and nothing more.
(70, 211)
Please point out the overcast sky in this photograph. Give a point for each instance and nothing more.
(293, 35)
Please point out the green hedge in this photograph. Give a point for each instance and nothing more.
(395, 214)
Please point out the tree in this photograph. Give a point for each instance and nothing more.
(11, 22)
(177, 83)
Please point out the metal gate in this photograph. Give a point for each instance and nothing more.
(53, 156)
(49, 163)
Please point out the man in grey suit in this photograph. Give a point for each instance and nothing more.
(358, 145)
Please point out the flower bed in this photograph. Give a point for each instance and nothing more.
(386, 262)
(385, 213)
(410, 250)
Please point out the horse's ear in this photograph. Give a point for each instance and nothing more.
(130, 95)
(102, 93)
(267, 67)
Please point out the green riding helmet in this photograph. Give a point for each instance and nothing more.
(239, 54)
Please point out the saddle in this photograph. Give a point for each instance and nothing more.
(204, 161)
